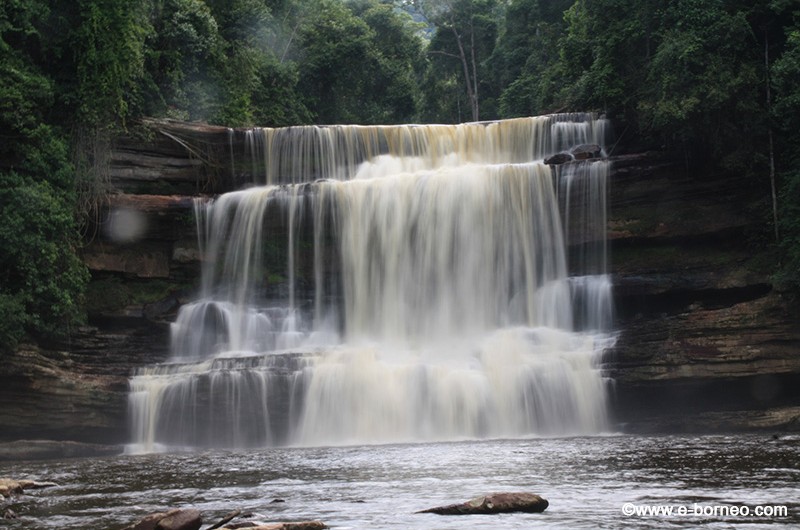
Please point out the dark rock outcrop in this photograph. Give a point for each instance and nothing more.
(77, 390)
(586, 151)
(494, 503)
(702, 328)
(706, 342)
(52, 449)
(558, 158)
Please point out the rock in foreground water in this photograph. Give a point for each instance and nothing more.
(177, 519)
(302, 525)
(494, 503)
(9, 486)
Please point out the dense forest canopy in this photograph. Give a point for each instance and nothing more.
(717, 82)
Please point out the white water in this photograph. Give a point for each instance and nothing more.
(459, 291)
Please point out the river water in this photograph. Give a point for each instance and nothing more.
(587, 480)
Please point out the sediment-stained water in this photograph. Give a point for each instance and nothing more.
(441, 282)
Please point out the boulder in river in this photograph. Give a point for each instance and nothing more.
(494, 503)
(9, 486)
(301, 525)
(177, 519)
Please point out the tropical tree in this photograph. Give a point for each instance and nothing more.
(785, 79)
(180, 54)
(41, 278)
(465, 37)
(703, 80)
(524, 62)
(349, 72)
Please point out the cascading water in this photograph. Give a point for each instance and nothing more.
(459, 290)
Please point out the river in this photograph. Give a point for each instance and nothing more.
(590, 482)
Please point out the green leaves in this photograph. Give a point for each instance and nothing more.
(461, 48)
(785, 73)
(704, 69)
(355, 63)
(41, 278)
(108, 46)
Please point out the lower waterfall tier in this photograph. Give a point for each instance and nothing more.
(512, 382)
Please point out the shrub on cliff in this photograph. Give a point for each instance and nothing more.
(41, 277)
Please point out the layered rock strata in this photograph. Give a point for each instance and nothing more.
(706, 342)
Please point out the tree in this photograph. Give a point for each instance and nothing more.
(523, 63)
(107, 42)
(466, 32)
(603, 56)
(41, 277)
(785, 78)
(398, 57)
(350, 73)
(180, 56)
(703, 81)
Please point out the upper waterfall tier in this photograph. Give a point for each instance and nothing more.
(307, 153)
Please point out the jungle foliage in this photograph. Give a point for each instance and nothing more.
(715, 81)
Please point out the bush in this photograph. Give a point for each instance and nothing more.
(42, 280)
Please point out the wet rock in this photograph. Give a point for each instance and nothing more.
(585, 151)
(34, 485)
(10, 514)
(9, 486)
(148, 522)
(177, 519)
(558, 158)
(161, 308)
(76, 390)
(785, 418)
(302, 525)
(143, 260)
(180, 519)
(53, 449)
(494, 503)
(225, 520)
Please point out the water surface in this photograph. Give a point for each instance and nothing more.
(586, 480)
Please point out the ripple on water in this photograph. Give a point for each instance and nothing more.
(586, 480)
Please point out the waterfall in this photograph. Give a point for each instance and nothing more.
(394, 283)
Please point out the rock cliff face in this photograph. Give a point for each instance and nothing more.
(706, 343)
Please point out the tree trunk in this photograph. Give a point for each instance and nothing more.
(773, 187)
(471, 95)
